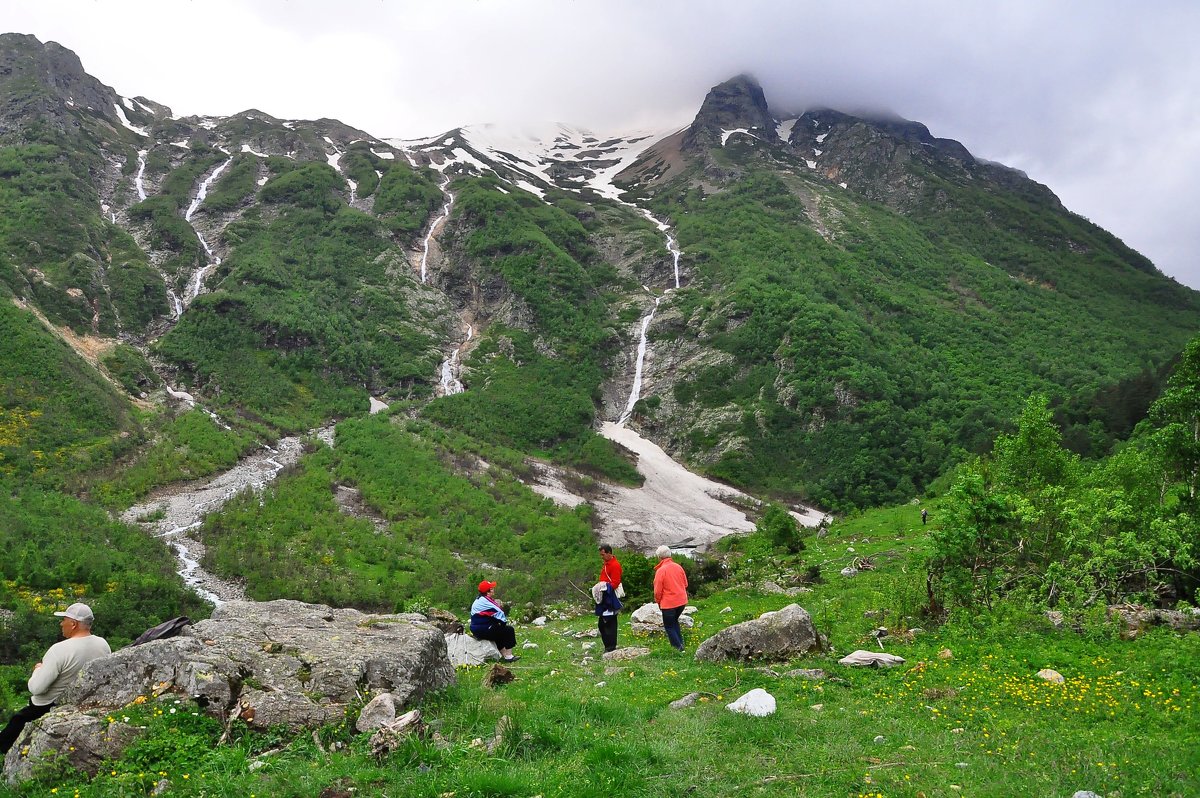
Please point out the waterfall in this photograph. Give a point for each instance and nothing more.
(636, 392)
(451, 368)
(445, 215)
(196, 283)
(141, 186)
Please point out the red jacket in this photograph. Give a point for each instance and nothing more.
(611, 572)
(670, 585)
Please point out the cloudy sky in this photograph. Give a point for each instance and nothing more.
(1098, 99)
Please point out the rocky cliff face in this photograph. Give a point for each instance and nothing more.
(891, 160)
(738, 103)
(48, 83)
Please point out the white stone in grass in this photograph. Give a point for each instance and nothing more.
(879, 738)
(871, 659)
(727, 609)
(540, 620)
(528, 644)
(1085, 794)
(1051, 675)
(849, 570)
(757, 703)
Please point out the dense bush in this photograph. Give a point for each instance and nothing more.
(1035, 522)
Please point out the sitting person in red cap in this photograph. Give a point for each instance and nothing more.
(57, 670)
(488, 622)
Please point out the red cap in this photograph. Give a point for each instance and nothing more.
(485, 586)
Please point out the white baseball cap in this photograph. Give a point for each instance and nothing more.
(78, 612)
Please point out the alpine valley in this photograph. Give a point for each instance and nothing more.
(248, 357)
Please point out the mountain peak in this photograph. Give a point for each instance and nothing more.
(736, 104)
(47, 81)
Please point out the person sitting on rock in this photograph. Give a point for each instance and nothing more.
(57, 670)
(488, 622)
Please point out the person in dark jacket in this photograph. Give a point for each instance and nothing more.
(488, 622)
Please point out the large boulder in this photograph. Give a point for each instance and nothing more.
(648, 618)
(273, 663)
(466, 650)
(69, 736)
(780, 635)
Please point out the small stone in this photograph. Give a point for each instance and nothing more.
(540, 620)
(1051, 676)
(256, 765)
(529, 645)
(961, 765)
(633, 652)
(873, 659)
(685, 702)
(817, 707)
(945, 653)
(587, 646)
(727, 609)
(811, 674)
(757, 703)
(601, 684)
(1085, 794)
(879, 738)
(849, 570)
(957, 730)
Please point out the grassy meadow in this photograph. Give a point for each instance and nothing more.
(977, 723)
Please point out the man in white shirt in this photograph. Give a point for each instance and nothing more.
(54, 674)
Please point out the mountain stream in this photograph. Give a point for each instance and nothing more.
(175, 511)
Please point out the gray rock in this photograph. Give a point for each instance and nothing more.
(624, 654)
(279, 662)
(685, 702)
(1085, 794)
(871, 659)
(69, 736)
(466, 650)
(1051, 675)
(379, 711)
(648, 618)
(780, 635)
(262, 710)
(812, 674)
(849, 570)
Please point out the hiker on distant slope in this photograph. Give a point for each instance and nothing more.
(57, 670)
(607, 594)
(488, 622)
(670, 593)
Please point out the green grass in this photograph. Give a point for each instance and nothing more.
(980, 723)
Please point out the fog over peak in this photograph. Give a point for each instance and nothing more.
(1098, 99)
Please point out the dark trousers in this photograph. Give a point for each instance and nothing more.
(16, 724)
(503, 635)
(608, 631)
(671, 626)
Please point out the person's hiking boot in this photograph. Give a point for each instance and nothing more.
(511, 659)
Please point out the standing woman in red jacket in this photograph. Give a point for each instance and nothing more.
(670, 593)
